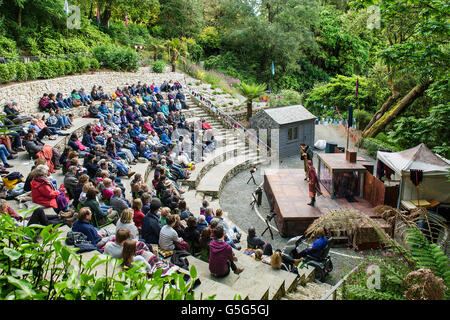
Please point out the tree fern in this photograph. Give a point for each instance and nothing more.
(428, 255)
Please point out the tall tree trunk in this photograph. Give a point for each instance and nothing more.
(90, 11)
(106, 16)
(249, 109)
(19, 17)
(406, 101)
(174, 65)
(389, 102)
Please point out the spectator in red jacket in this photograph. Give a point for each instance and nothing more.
(221, 257)
(43, 192)
(138, 216)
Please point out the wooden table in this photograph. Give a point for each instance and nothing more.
(413, 204)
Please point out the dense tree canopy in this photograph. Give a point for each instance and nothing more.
(398, 49)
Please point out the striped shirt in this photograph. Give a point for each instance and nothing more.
(167, 237)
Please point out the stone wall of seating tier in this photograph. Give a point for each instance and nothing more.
(27, 94)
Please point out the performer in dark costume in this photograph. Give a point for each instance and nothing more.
(306, 154)
(313, 181)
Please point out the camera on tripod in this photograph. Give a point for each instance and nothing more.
(252, 171)
(257, 197)
(270, 216)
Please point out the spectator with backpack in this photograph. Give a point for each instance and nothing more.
(83, 225)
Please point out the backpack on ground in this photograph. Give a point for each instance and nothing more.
(179, 259)
(74, 237)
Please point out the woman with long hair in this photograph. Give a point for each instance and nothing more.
(131, 254)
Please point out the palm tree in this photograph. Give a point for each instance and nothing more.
(156, 45)
(251, 91)
(175, 49)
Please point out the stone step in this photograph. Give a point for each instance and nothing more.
(217, 156)
(313, 290)
(79, 124)
(245, 282)
(213, 182)
(209, 288)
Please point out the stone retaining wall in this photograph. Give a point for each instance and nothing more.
(27, 94)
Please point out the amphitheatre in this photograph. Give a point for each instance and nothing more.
(219, 179)
(205, 182)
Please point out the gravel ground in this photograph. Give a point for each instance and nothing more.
(236, 197)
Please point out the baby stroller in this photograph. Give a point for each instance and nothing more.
(322, 263)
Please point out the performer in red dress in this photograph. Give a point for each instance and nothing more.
(313, 182)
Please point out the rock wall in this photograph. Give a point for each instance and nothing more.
(27, 94)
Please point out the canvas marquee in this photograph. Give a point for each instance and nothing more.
(435, 183)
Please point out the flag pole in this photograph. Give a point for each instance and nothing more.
(357, 119)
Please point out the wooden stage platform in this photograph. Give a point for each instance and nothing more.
(287, 192)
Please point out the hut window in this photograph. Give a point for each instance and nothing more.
(293, 133)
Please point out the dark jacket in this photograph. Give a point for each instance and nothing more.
(191, 234)
(151, 229)
(32, 146)
(255, 243)
(87, 229)
(70, 182)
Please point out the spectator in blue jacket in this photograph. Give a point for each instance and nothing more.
(318, 245)
(103, 108)
(83, 225)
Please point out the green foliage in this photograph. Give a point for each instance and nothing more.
(49, 270)
(129, 36)
(209, 40)
(33, 70)
(95, 65)
(288, 98)
(83, 64)
(21, 71)
(230, 64)
(392, 272)
(341, 52)
(428, 255)
(340, 92)
(196, 52)
(116, 58)
(432, 130)
(8, 48)
(47, 69)
(7, 72)
(372, 145)
(159, 66)
(363, 117)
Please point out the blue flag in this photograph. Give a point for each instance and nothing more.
(66, 7)
(273, 69)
